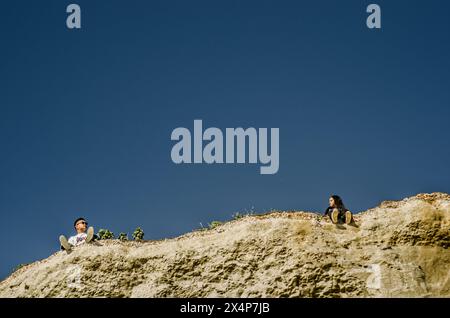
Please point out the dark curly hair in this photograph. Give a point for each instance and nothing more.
(339, 203)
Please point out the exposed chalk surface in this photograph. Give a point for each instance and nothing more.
(400, 249)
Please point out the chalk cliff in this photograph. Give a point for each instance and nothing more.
(400, 249)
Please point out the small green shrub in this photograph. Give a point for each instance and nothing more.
(123, 237)
(138, 234)
(104, 234)
(202, 228)
(215, 224)
(237, 216)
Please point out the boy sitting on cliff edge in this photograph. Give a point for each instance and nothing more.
(82, 236)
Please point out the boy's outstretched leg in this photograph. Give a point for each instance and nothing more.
(90, 234)
(64, 243)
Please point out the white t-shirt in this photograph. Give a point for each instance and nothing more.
(77, 239)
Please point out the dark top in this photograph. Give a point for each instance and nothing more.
(330, 209)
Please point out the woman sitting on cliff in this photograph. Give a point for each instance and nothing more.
(337, 211)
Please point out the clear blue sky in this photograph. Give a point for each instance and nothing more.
(86, 115)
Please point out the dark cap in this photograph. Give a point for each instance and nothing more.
(79, 219)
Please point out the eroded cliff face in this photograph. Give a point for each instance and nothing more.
(400, 249)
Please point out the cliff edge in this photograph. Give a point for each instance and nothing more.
(400, 249)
